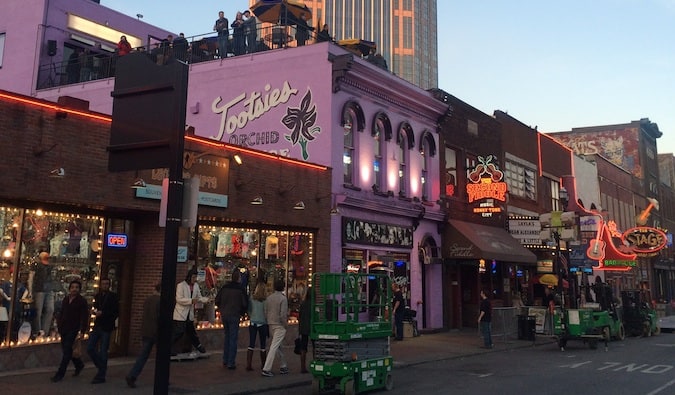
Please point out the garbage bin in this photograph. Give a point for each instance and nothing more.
(526, 327)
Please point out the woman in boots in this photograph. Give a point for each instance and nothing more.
(256, 313)
(304, 329)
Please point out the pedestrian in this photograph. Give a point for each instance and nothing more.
(72, 322)
(258, 324)
(251, 31)
(238, 35)
(276, 313)
(398, 310)
(180, 48)
(106, 310)
(149, 327)
(222, 26)
(123, 47)
(231, 301)
(323, 34)
(485, 320)
(73, 67)
(304, 329)
(302, 30)
(187, 295)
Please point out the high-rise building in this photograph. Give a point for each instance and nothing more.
(405, 32)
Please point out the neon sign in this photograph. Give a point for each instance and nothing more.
(645, 241)
(486, 181)
(117, 240)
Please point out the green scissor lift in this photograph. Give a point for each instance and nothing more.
(351, 326)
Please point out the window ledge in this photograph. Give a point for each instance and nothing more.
(351, 186)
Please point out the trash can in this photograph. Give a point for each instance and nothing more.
(526, 327)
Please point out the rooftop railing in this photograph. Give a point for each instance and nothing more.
(83, 67)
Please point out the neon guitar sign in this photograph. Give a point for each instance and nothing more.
(596, 247)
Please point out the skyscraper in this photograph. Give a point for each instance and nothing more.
(404, 31)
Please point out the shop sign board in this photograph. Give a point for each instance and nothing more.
(486, 186)
(212, 171)
(374, 233)
(645, 241)
(117, 240)
(527, 231)
(545, 266)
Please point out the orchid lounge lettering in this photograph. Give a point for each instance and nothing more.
(256, 104)
(365, 232)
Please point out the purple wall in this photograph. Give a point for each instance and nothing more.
(29, 25)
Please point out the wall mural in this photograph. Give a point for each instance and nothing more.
(619, 146)
(300, 120)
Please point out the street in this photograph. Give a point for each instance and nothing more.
(634, 366)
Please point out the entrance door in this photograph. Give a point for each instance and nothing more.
(469, 295)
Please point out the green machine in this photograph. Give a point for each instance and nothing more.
(351, 326)
(589, 325)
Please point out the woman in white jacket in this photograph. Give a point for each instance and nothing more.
(187, 294)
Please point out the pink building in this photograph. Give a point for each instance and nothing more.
(318, 103)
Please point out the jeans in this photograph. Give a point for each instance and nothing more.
(44, 311)
(142, 358)
(398, 322)
(263, 331)
(222, 45)
(67, 340)
(278, 333)
(101, 339)
(485, 330)
(231, 326)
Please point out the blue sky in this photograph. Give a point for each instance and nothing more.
(551, 64)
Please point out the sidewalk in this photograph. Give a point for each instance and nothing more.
(208, 376)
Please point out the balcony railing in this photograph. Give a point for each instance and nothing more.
(84, 67)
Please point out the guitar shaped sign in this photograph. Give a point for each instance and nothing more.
(596, 247)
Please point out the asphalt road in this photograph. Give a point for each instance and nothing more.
(635, 366)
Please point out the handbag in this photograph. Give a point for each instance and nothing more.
(3, 314)
(298, 345)
(77, 348)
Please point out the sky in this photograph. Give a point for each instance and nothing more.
(555, 65)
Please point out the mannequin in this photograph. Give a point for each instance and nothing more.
(84, 246)
(56, 243)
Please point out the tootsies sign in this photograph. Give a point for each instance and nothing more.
(645, 241)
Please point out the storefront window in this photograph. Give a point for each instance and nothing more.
(55, 248)
(259, 255)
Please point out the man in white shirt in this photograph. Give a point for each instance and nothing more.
(276, 313)
(187, 295)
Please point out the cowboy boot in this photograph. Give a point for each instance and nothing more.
(303, 361)
(263, 357)
(249, 359)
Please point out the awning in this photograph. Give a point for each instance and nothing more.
(466, 240)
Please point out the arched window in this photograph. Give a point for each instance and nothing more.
(427, 150)
(349, 153)
(381, 134)
(352, 119)
(403, 141)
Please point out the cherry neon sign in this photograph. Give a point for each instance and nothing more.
(486, 181)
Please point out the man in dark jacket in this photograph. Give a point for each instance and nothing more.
(148, 332)
(232, 304)
(72, 319)
(106, 309)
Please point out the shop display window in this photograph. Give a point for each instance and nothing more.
(259, 255)
(396, 265)
(71, 244)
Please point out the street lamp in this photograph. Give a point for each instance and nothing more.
(563, 198)
(555, 227)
